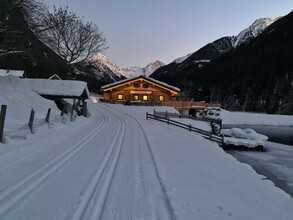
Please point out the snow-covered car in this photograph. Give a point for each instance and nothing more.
(244, 137)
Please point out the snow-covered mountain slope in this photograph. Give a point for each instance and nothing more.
(253, 30)
(128, 72)
(216, 48)
(97, 70)
(181, 59)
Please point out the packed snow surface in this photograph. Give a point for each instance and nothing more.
(118, 165)
(234, 118)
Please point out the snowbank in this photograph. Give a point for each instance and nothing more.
(243, 137)
(244, 118)
(20, 99)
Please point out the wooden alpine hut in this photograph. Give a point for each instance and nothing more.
(140, 89)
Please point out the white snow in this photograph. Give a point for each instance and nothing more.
(244, 137)
(245, 118)
(118, 165)
(147, 78)
(181, 59)
(253, 30)
(18, 73)
(57, 87)
(128, 72)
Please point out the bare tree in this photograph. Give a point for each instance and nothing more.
(70, 37)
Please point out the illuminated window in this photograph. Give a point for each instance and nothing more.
(135, 97)
(144, 97)
(145, 85)
(161, 98)
(136, 85)
(120, 96)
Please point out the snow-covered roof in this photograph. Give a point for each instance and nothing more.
(62, 88)
(5, 72)
(55, 76)
(143, 77)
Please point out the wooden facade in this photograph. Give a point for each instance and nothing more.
(140, 89)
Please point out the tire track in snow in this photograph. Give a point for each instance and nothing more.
(18, 191)
(169, 211)
(91, 206)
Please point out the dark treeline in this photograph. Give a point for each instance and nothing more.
(256, 76)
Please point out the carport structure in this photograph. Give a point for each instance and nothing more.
(62, 90)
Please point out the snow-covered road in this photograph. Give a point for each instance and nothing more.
(88, 170)
(117, 165)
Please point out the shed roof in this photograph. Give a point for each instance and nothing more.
(59, 88)
(6, 72)
(108, 86)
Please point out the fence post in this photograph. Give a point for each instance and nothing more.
(146, 116)
(72, 110)
(155, 112)
(166, 114)
(31, 121)
(168, 121)
(84, 108)
(48, 115)
(190, 127)
(2, 120)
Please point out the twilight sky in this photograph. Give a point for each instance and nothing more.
(141, 31)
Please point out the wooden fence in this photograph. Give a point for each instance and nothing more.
(208, 135)
(179, 105)
(30, 121)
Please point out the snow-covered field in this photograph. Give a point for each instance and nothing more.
(118, 165)
(234, 118)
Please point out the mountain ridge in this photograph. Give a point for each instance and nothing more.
(216, 48)
(126, 71)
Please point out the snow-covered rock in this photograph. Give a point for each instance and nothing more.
(253, 30)
(181, 59)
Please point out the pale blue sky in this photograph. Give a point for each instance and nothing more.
(141, 31)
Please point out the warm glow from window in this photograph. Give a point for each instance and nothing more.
(135, 97)
(161, 98)
(120, 96)
(144, 97)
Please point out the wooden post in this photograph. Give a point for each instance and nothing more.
(84, 108)
(31, 121)
(72, 110)
(190, 127)
(48, 115)
(2, 120)
(146, 116)
(166, 114)
(154, 112)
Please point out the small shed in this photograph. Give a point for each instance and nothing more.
(140, 89)
(58, 90)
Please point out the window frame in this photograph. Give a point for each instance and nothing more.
(136, 85)
(145, 85)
